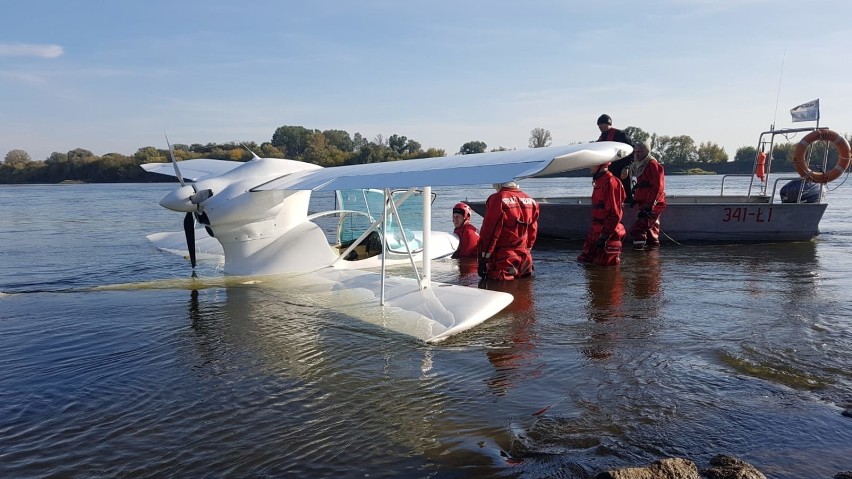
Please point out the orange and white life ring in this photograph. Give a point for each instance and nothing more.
(821, 135)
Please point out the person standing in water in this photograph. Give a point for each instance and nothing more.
(649, 195)
(603, 242)
(508, 233)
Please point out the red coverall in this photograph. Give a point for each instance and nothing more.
(607, 198)
(509, 231)
(468, 241)
(650, 195)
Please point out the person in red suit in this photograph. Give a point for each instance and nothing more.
(649, 196)
(618, 167)
(603, 243)
(508, 233)
(466, 232)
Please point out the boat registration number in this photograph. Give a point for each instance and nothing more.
(745, 214)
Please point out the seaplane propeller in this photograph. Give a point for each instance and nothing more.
(186, 198)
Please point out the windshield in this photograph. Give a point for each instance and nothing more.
(367, 205)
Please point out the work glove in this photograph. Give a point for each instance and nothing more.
(601, 242)
(645, 213)
(482, 268)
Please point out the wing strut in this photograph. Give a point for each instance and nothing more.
(384, 241)
(423, 281)
(427, 234)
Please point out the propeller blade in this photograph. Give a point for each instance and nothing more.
(189, 229)
(201, 196)
(174, 162)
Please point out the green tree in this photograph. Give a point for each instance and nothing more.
(711, 153)
(412, 147)
(636, 134)
(17, 158)
(397, 143)
(676, 149)
(109, 168)
(56, 158)
(268, 150)
(539, 138)
(359, 141)
(149, 154)
(320, 152)
(746, 153)
(78, 159)
(782, 154)
(371, 153)
(433, 153)
(17, 167)
(472, 147)
(201, 149)
(340, 139)
(291, 140)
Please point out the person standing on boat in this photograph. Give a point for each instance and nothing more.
(603, 243)
(649, 195)
(619, 167)
(466, 232)
(508, 233)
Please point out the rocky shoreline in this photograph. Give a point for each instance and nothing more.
(721, 467)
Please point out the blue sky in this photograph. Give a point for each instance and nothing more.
(112, 76)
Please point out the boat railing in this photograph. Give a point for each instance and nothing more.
(771, 197)
(740, 175)
(769, 144)
(801, 188)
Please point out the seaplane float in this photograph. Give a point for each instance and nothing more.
(253, 216)
(752, 214)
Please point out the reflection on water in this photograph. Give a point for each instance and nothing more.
(515, 357)
(606, 292)
(116, 363)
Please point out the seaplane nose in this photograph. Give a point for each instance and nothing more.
(179, 200)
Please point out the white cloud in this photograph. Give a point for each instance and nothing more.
(27, 50)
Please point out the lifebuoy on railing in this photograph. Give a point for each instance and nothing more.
(821, 135)
(760, 169)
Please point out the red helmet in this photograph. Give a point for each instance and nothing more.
(462, 209)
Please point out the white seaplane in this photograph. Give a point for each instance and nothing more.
(255, 214)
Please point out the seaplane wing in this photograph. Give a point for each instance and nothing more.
(431, 314)
(193, 170)
(476, 169)
(257, 212)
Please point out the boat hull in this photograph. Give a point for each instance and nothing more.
(692, 218)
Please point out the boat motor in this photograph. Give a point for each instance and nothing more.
(810, 192)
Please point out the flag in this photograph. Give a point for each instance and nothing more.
(806, 112)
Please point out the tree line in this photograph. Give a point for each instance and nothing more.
(332, 148)
(324, 148)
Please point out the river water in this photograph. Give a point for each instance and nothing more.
(115, 364)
